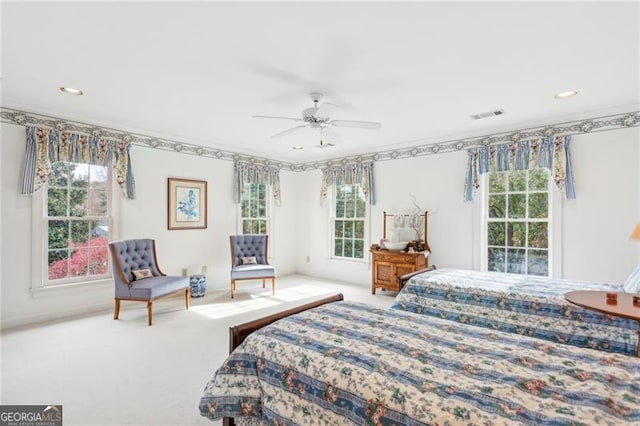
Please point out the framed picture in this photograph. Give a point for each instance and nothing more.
(187, 204)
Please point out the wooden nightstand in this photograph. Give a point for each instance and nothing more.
(597, 301)
(389, 265)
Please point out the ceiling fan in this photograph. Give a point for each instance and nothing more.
(319, 117)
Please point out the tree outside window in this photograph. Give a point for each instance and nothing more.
(77, 222)
(517, 222)
(254, 209)
(348, 223)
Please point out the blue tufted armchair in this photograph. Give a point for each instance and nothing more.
(249, 260)
(136, 274)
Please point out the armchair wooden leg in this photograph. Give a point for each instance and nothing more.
(116, 310)
(263, 283)
(187, 293)
(150, 311)
(273, 286)
(233, 288)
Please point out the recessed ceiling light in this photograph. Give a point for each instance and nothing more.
(297, 147)
(565, 95)
(71, 91)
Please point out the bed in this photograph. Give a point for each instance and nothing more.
(532, 306)
(351, 363)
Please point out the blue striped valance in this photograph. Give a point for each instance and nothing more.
(248, 172)
(348, 174)
(552, 153)
(47, 146)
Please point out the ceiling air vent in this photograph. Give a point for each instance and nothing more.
(487, 114)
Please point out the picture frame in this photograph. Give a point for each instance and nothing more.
(186, 204)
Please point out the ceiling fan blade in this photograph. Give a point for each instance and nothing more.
(328, 135)
(279, 118)
(371, 125)
(325, 110)
(288, 131)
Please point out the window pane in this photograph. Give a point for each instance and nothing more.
(515, 261)
(262, 208)
(262, 227)
(516, 234)
(58, 264)
(98, 178)
(253, 208)
(245, 208)
(517, 180)
(338, 247)
(538, 205)
(359, 229)
(78, 203)
(58, 234)
(517, 205)
(538, 179)
(348, 229)
(98, 261)
(350, 208)
(340, 208)
(497, 182)
(79, 175)
(496, 235)
(80, 233)
(358, 249)
(360, 208)
(339, 232)
(538, 262)
(246, 227)
(99, 229)
(79, 262)
(98, 203)
(538, 235)
(56, 202)
(496, 259)
(497, 206)
(348, 248)
(262, 192)
(59, 176)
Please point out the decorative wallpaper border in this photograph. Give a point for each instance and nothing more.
(598, 124)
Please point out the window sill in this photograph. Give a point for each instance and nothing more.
(76, 287)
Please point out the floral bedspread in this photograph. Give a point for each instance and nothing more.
(532, 306)
(351, 363)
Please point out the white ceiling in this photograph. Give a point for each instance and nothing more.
(197, 72)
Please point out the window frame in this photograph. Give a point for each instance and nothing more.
(39, 256)
(332, 225)
(554, 237)
(268, 212)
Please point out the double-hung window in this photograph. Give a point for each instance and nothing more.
(75, 224)
(254, 209)
(518, 222)
(349, 213)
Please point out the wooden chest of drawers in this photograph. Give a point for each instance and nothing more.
(389, 265)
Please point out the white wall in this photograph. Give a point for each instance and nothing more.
(595, 226)
(146, 216)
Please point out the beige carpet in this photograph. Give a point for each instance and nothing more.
(107, 372)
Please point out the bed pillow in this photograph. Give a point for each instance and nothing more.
(140, 274)
(249, 260)
(632, 284)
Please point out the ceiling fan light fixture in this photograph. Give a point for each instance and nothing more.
(298, 148)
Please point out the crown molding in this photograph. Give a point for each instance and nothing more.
(589, 125)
